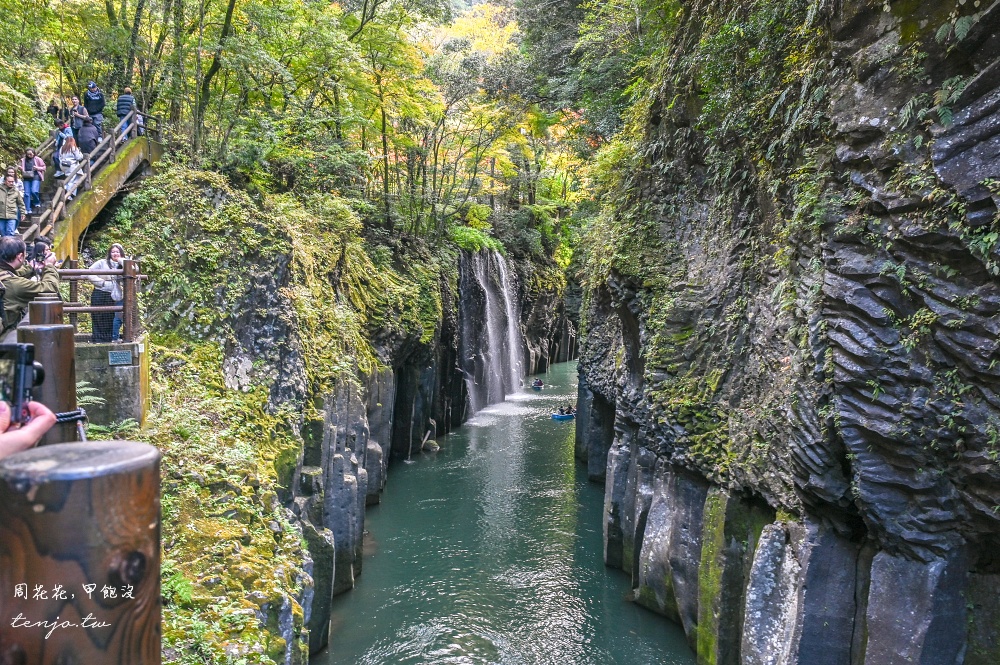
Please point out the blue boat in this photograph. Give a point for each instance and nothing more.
(537, 384)
(563, 416)
(536, 387)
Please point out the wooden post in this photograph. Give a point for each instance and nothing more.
(74, 293)
(55, 350)
(80, 554)
(129, 292)
(86, 169)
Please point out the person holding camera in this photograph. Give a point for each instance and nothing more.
(77, 113)
(16, 437)
(18, 287)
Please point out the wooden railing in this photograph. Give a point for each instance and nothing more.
(130, 290)
(82, 175)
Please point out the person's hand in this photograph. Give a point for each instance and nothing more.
(17, 437)
(50, 258)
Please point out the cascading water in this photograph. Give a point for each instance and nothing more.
(491, 343)
(515, 364)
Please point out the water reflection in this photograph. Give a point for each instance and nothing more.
(490, 552)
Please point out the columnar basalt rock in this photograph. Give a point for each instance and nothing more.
(594, 431)
(354, 430)
(810, 365)
(668, 573)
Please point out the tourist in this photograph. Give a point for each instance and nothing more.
(77, 112)
(88, 137)
(20, 289)
(11, 206)
(37, 254)
(19, 184)
(107, 292)
(93, 99)
(17, 437)
(65, 132)
(125, 105)
(33, 168)
(53, 110)
(69, 158)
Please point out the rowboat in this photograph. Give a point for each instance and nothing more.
(563, 416)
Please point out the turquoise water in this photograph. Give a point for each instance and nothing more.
(490, 551)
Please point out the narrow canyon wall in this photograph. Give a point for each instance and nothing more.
(789, 381)
(350, 434)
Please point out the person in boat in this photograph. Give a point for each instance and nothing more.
(562, 411)
(537, 383)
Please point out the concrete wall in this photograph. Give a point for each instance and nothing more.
(125, 388)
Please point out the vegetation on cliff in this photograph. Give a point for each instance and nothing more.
(259, 306)
(792, 215)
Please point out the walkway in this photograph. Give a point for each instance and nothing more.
(117, 158)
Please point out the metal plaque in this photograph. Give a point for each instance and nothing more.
(120, 357)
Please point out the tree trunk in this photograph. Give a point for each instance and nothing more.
(206, 82)
(178, 74)
(132, 41)
(385, 169)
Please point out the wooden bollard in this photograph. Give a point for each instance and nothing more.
(55, 349)
(80, 555)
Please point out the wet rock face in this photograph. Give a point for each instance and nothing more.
(495, 351)
(842, 370)
(355, 430)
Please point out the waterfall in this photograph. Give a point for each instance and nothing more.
(489, 316)
(515, 363)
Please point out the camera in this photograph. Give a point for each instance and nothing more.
(19, 375)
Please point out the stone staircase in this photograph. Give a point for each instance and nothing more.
(118, 157)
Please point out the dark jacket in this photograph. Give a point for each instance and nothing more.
(125, 105)
(77, 121)
(94, 101)
(20, 290)
(88, 138)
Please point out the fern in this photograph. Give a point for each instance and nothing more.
(945, 115)
(119, 430)
(86, 395)
(964, 25)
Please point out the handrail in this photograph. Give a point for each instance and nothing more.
(129, 307)
(82, 174)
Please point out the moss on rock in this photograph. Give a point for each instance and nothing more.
(257, 307)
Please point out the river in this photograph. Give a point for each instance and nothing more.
(490, 551)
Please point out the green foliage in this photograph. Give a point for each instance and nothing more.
(87, 395)
(477, 216)
(474, 240)
(20, 125)
(210, 248)
(221, 555)
(174, 587)
(123, 429)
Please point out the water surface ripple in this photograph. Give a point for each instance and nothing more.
(490, 552)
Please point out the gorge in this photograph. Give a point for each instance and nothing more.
(766, 231)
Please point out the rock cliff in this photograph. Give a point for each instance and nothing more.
(789, 376)
(283, 391)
